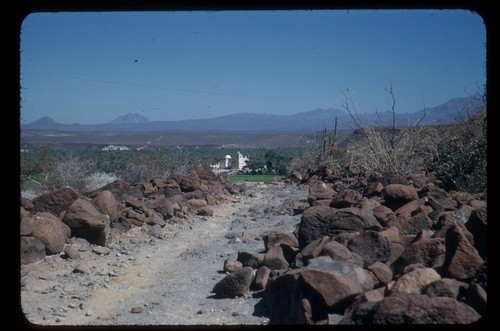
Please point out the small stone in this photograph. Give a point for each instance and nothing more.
(101, 250)
(137, 310)
(82, 268)
(88, 313)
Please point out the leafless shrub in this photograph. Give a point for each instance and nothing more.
(395, 149)
(70, 172)
(179, 161)
(99, 179)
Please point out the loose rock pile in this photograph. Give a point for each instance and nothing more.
(372, 250)
(368, 250)
(59, 221)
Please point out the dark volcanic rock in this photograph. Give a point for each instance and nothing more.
(56, 201)
(319, 221)
(404, 308)
(235, 284)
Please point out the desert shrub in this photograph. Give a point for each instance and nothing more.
(375, 148)
(146, 164)
(399, 150)
(461, 163)
(35, 166)
(324, 152)
(178, 161)
(99, 179)
(70, 172)
(49, 168)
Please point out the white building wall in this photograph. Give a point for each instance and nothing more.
(242, 161)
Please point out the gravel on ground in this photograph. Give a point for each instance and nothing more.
(139, 279)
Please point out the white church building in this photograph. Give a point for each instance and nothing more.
(242, 161)
(226, 165)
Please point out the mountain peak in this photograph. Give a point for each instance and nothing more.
(129, 118)
(44, 121)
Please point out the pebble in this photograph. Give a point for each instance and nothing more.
(82, 268)
(137, 310)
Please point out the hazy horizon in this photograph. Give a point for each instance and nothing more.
(211, 117)
(91, 68)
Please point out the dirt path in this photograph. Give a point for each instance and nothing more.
(163, 281)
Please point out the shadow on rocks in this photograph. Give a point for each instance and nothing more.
(260, 309)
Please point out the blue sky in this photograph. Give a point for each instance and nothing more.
(92, 67)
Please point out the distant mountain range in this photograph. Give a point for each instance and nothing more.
(310, 121)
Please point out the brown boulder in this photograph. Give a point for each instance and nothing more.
(251, 259)
(382, 272)
(32, 250)
(371, 246)
(396, 195)
(262, 278)
(171, 188)
(403, 308)
(345, 198)
(235, 284)
(445, 287)
(232, 266)
(56, 201)
(336, 251)
(117, 188)
(51, 231)
(347, 269)
(87, 222)
(196, 194)
(155, 219)
(319, 221)
(319, 190)
(162, 205)
(197, 203)
(275, 259)
(26, 204)
(308, 295)
(205, 211)
(414, 224)
(134, 202)
(105, 202)
(462, 260)
(280, 238)
(477, 225)
(415, 280)
(190, 182)
(314, 249)
(24, 213)
(429, 252)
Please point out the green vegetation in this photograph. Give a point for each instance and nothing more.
(461, 159)
(455, 154)
(48, 168)
(252, 178)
